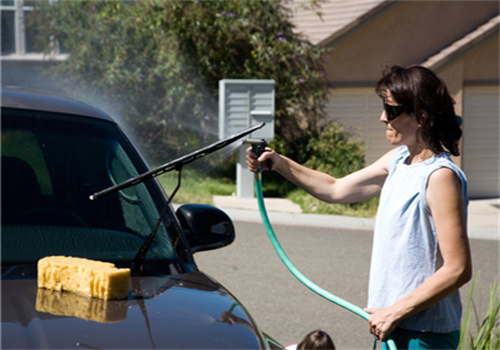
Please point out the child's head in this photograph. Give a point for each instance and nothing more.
(316, 340)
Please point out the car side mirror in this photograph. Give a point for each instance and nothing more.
(205, 226)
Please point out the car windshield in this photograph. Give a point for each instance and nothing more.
(51, 164)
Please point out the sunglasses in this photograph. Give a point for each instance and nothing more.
(394, 111)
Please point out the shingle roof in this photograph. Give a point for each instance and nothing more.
(337, 17)
(463, 44)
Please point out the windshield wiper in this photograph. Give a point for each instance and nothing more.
(139, 258)
(176, 164)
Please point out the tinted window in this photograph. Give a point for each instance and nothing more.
(8, 33)
(51, 164)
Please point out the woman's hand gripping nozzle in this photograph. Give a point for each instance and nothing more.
(258, 147)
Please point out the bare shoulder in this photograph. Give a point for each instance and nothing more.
(442, 178)
(444, 189)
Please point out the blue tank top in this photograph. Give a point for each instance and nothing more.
(405, 247)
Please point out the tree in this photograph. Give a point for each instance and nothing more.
(161, 62)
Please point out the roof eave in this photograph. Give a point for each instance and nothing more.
(357, 23)
(464, 44)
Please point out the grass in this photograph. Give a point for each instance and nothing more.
(487, 328)
(196, 188)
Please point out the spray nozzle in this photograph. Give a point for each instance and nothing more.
(258, 147)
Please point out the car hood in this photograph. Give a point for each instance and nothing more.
(186, 311)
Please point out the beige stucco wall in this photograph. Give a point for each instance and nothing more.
(407, 33)
(482, 64)
(479, 66)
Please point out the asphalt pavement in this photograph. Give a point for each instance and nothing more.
(483, 219)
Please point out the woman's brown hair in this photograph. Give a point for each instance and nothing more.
(423, 92)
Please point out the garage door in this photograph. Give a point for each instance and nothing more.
(480, 160)
(360, 109)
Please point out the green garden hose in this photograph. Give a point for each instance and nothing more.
(299, 275)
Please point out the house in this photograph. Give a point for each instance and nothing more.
(21, 62)
(459, 40)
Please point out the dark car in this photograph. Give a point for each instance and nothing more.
(57, 153)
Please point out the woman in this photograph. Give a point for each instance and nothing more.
(421, 254)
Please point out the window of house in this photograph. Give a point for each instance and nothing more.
(17, 37)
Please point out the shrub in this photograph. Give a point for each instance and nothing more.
(158, 64)
(335, 151)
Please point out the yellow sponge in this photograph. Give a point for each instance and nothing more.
(83, 276)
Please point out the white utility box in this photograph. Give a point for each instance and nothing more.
(244, 103)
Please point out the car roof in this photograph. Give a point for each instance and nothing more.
(23, 98)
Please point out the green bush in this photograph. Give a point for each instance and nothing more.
(158, 63)
(335, 151)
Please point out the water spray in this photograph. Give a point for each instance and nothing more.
(258, 146)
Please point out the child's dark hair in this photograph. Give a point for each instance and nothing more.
(423, 92)
(316, 340)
